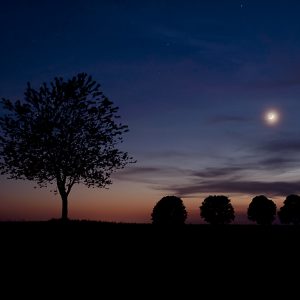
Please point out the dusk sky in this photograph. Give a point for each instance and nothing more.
(193, 80)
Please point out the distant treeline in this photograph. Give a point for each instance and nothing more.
(170, 210)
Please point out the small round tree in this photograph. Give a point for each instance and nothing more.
(262, 210)
(170, 210)
(289, 213)
(217, 210)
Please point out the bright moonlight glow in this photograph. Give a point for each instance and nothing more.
(272, 117)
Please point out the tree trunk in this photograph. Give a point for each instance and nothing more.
(64, 211)
(64, 199)
(64, 192)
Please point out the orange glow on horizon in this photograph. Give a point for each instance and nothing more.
(123, 202)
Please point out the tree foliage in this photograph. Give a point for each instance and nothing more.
(63, 133)
(217, 210)
(262, 210)
(170, 210)
(289, 213)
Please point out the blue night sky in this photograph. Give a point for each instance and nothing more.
(193, 80)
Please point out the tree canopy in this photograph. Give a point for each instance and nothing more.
(217, 210)
(262, 210)
(289, 213)
(170, 210)
(65, 132)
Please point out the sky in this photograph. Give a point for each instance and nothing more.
(193, 80)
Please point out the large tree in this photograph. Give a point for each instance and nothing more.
(63, 133)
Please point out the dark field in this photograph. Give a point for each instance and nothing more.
(98, 255)
(110, 237)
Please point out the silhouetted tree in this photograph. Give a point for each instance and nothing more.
(170, 210)
(217, 210)
(262, 210)
(290, 211)
(63, 133)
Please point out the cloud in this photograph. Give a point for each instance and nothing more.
(240, 187)
(234, 180)
(217, 172)
(209, 46)
(170, 154)
(231, 178)
(278, 162)
(282, 146)
(151, 175)
(138, 173)
(141, 170)
(228, 119)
